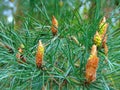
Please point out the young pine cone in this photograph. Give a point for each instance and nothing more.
(54, 26)
(39, 54)
(91, 66)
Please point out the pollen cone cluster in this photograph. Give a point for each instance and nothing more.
(100, 38)
(92, 65)
(103, 26)
(39, 54)
(54, 26)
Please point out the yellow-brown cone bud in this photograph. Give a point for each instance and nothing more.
(54, 26)
(91, 66)
(103, 27)
(97, 39)
(39, 54)
(102, 31)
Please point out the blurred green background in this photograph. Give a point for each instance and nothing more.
(9, 9)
